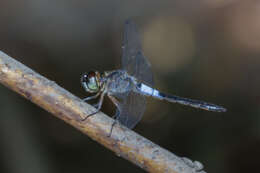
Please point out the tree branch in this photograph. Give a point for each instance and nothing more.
(71, 109)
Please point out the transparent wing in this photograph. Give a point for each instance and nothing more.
(132, 105)
(133, 60)
(132, 108)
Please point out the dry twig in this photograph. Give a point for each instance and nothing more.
(71, 109)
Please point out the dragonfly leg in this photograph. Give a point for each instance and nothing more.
(116, 116)
(99, 106)
(114, 123)
(116, 103)
(91, 97)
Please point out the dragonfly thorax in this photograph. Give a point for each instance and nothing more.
(118, 82)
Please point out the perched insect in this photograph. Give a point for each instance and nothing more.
(128, 87)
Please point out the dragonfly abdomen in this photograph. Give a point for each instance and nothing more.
(149, 91)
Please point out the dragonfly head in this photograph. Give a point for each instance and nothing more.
(91, 81)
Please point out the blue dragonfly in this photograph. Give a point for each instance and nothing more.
(129, 86)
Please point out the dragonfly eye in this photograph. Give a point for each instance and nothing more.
(90, 82)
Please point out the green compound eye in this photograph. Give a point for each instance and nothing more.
(92, 84)
(89, 82)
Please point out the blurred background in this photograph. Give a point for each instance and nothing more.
(206, 49)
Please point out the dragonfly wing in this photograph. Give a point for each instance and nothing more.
(131, 109)
(133, 60)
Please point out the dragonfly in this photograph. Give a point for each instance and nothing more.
(129, 86)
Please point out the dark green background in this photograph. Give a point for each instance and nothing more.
(205, 49)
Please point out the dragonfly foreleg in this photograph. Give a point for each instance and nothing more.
(98, 107)
(91, 97)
